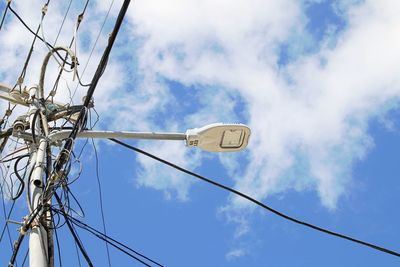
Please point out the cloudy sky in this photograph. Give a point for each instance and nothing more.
(318, 83)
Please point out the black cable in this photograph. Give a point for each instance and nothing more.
(26, 256)
(72, 230)
(28, 58)
(58, 244)
(11, 159)
(56, 222)
(79, 20)
(16, 248)
(120, 249)
(92, 50)
(4, 15)
(63, 21)
(37, 36)
(68, 193)
(82, 118)
(101, 200)
(6, 218)
(84, 9)
(78, 256)
(280, 214)
(108, 239)
(20, 179)
(23, 230)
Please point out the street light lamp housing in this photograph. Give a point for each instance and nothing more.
(219, 137)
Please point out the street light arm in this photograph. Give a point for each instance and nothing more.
(118, 134)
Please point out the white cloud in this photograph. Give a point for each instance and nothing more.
(155, 175)
(234, 254)
(314, 111)
(309, 118)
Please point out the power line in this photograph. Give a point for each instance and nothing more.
(6, 217)
(78, 23)
(82, 118)
(31, 31)
(101, 200)
(73, 232)
(26, 256)
(27, 27)
(58, 244)
(4, 14)
(78, 256)
(236, 192)
(111, 241)
(28, 58)
(95, 44)
(63, 21)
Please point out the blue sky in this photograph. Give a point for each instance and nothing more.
(316, 80)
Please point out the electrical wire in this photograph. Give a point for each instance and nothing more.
(6, 217)
(120, 249)
(79, 125)
(101, 199)
(62, 23)
(31, 31)
(57, 243)
(26, 256)
(14, 158)
(110, 240)
(259, 203)
(73, 231)
(78, 256)
(74, 63)
(23, 72)
(78, 23)
(81, 121)
(20, 179)
(17, 244)
(94, 45)
(27, 224)
(4, 14)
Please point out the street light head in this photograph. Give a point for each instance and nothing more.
(219, 137)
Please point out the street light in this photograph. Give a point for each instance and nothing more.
(216, 137)
(219, 137)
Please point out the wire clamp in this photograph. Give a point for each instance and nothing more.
(20, 80)
(80, 18)
(44, 9)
